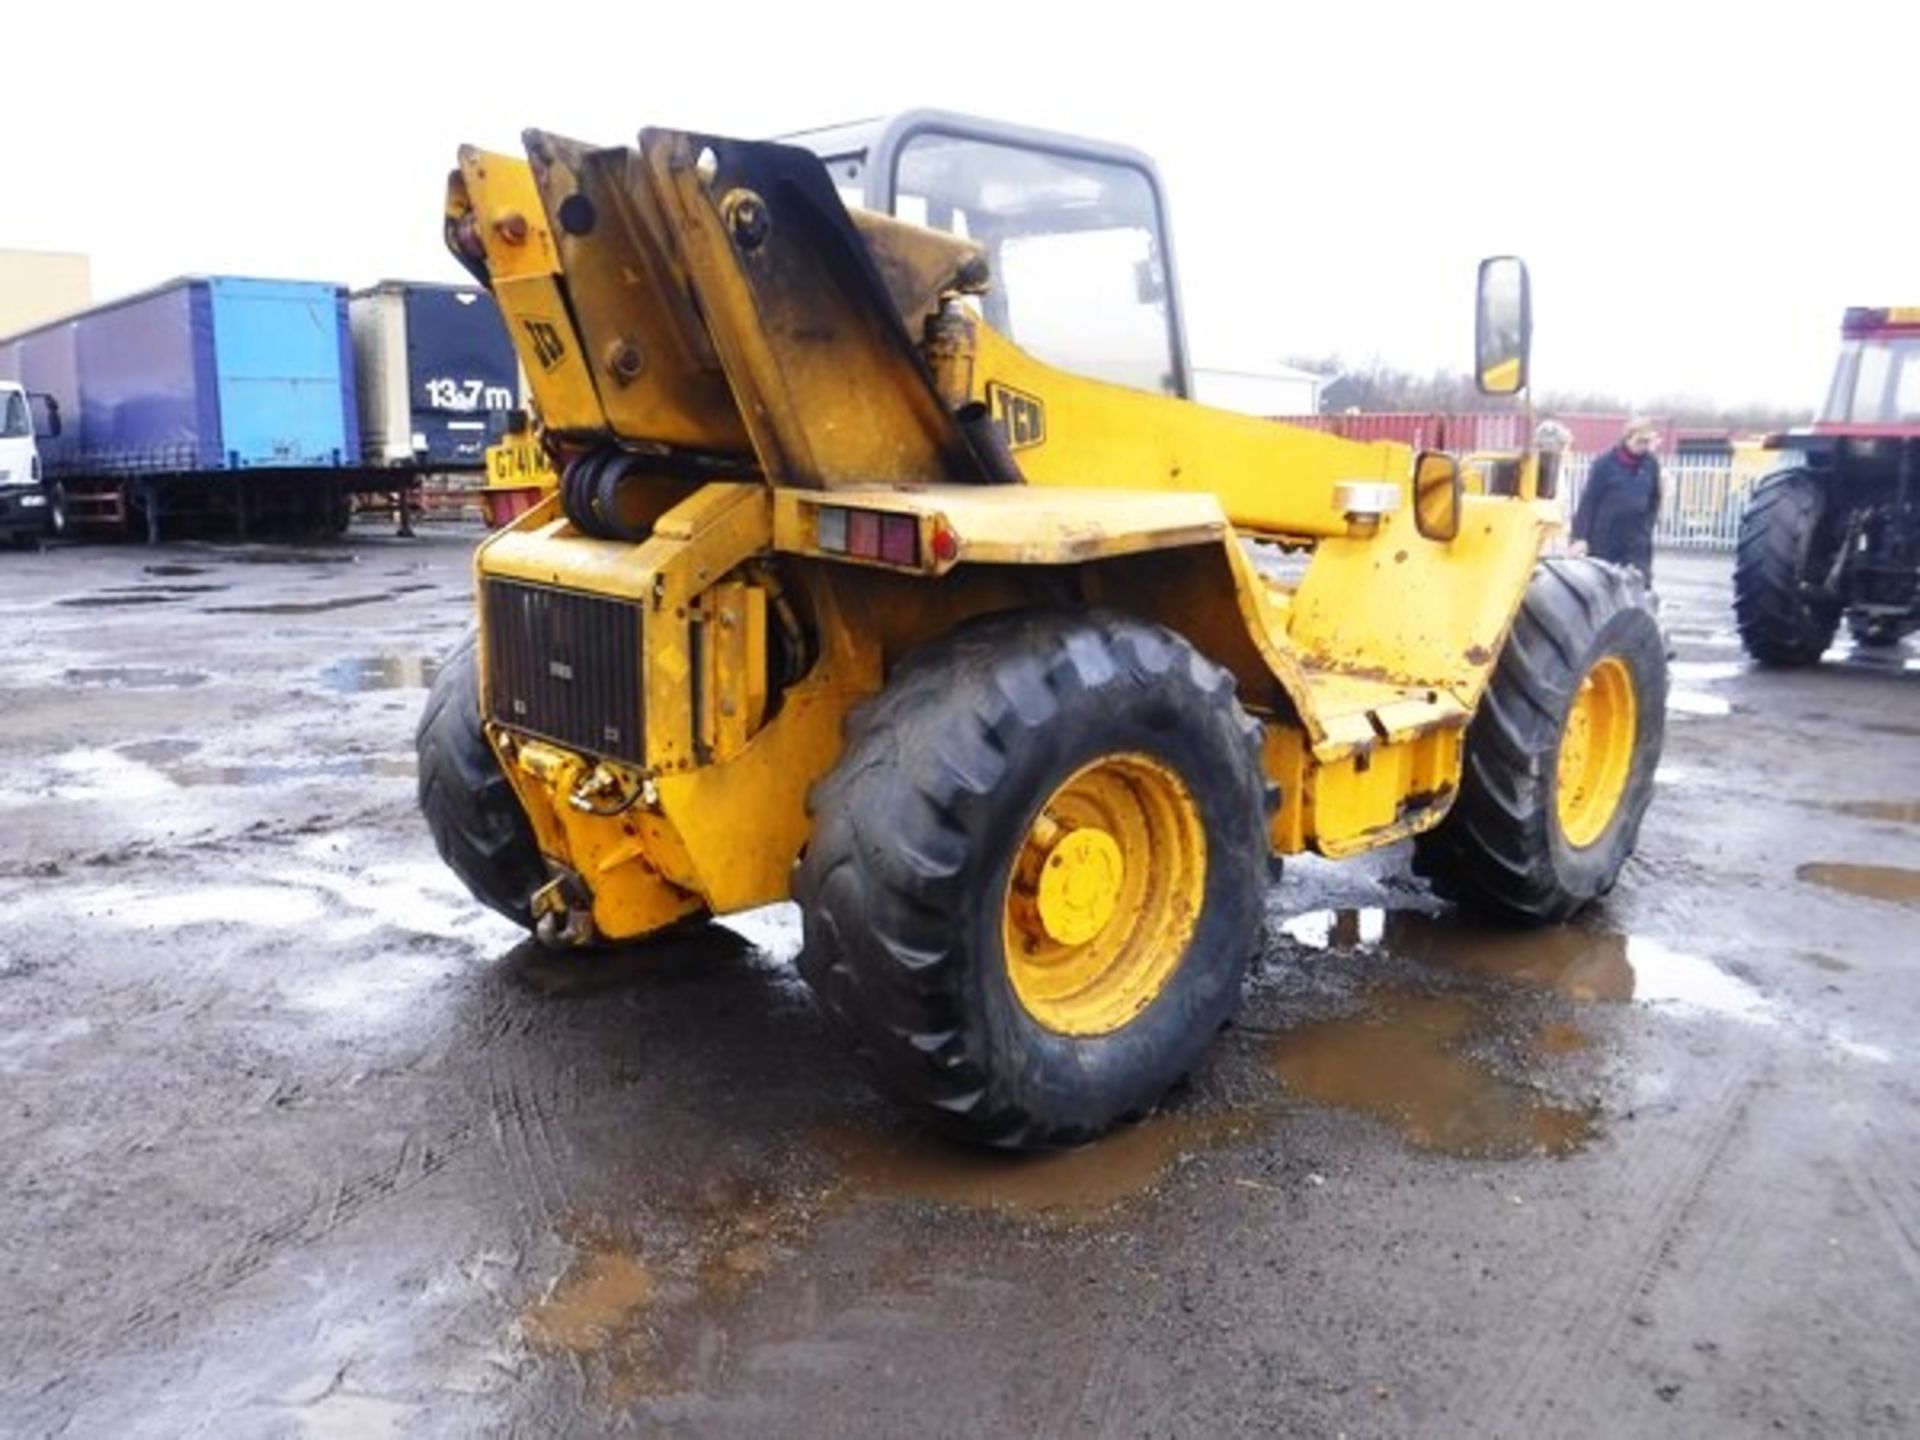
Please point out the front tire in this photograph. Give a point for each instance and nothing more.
(1786, 546)
(1036, 876)
(477, 823)
(1561, 753)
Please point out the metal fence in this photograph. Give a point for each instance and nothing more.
(1702, 497)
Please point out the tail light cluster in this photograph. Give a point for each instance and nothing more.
(869, 535)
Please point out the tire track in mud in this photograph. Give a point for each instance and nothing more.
(513, 1122)
(1596, 1299)
(519, 1113)
(1889, 1192)
(160, 855)
(326, 1211)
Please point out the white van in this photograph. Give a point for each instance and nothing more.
(28, 511)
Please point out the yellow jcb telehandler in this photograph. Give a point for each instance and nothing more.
(892, 571)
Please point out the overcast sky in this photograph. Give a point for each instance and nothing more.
(1699, 192)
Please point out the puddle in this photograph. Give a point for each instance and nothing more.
(1584, 965)
(1705, 672)
(1884, 727)
(1878, 659)
(1069, 1184)
(289, 557)
(341, 1416)
(380, 672)
(1664, 976)
(645, 1318)
(1832, 964)
(95, 774)
(1712, 639)
(101, 602)
(169, 572)
(157, 752)
(1904, 812)
(302, 607)
(135, 677)
(1876, 882)
(293, 772)
(1403, 1060)
(593, 1303)
(1695, 702)
(165, 590)
(263, 905)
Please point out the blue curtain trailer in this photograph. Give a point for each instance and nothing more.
(204, 396)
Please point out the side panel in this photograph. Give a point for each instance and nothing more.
(460, 368)
(146, 397)
(46, 360)
(284, 374)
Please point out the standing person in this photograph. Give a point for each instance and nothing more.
(1621, 501)
(1552, 440)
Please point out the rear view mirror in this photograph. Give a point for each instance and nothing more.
(1437, 491)
(1503, 326)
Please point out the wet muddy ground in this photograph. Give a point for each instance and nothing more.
(295, 1140)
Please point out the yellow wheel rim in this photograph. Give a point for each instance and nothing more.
(1104, 895)
(1596, 752)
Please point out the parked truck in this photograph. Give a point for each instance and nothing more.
(29, 508)
(1837, 536)
(263, 404)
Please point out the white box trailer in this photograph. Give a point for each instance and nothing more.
(434, 364)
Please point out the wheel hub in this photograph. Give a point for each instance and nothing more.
(1596, 752)
(1080, 885)
(1104, 894)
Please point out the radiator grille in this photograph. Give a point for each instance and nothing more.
(565, 667)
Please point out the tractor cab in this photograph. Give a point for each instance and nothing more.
(1877, 379)
(1075, 233)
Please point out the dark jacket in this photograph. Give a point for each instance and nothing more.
(1618, 508)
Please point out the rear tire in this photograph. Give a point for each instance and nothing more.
(1561, 753)
(477, 823)
(1786, 542)
(1025, 751)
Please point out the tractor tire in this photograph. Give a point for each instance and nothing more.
(1036, 876)
(57, 511)
(1785, 542)
(1561, 753)
(476, 820)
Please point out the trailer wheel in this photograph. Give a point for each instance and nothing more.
(1561, 753)
(1785, 550)
(476, 820)
(1036, 876)
(336, 514)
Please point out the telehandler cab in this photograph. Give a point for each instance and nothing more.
(891, 571)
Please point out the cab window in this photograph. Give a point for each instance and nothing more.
(1077, 248)
(15, 422)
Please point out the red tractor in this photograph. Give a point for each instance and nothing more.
(1839, 534)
